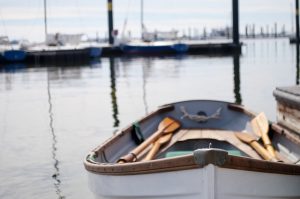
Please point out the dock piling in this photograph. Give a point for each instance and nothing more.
(110, 21)
(235, 22)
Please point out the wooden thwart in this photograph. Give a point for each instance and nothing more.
(220, 135)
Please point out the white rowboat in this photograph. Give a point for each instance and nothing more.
(204, 159)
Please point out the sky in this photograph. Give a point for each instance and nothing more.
(24, 19)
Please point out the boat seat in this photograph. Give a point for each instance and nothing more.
(220, 135)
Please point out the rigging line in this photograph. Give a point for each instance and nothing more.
(36, 15)
(4, 27)
(126, 18)
(81, 24)
(145, 68)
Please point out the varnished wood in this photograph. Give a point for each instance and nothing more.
(188, 162)
(167, 125)
(260, 127)
(156, 146)
(249, 139)
(221, 135)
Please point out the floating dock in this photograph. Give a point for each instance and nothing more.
(63, 55)
(59, 55)
(204, 47)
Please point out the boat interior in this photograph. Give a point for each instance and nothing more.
(201, 124)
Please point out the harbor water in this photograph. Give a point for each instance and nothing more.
(52, 116)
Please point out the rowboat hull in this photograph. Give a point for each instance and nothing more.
(210, 182)
(211, 169)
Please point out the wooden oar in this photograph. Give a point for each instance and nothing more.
(167, 125)
(249, 139)
(156, 146)
(260, 127)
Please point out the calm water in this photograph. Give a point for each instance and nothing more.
(51, 117)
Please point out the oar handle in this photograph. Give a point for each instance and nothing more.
(167, 125)
(262, 151)
(267, 143)
(271, 150)
(153, 151)
(132, 156)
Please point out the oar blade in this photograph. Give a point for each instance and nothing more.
(172, 127)
(263, 123)
(255, 127)
(165, 138)
(165, 123)
(156, 146)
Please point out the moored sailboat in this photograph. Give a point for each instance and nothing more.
(156, 42)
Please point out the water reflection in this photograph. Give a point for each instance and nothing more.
(11, 68)
(297, 63)
(113, 92)
(276, 49)
(56, 173)
(236, 78)
(146, 66)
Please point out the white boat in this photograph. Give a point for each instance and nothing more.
(152, 43)
(62, 46)
(206, 150)
(10, 52)
(155, 47)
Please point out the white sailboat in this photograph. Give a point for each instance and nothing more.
(154, 42)
(61, 44)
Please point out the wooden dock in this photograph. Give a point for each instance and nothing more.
(204, 47)
(288, 108)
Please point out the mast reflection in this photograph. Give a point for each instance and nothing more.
(56, 173)
(236, 78)
(146, 66)
(297, 63)
(113, 92)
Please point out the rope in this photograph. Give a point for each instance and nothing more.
(126, 19)
(200, 118)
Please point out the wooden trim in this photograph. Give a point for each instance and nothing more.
(189, 162)
(153, 166)
(242, 109)
(249, 164)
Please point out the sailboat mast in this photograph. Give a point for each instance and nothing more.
(142, 18)
(45, 18)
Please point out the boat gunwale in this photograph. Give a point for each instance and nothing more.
(188, 162)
